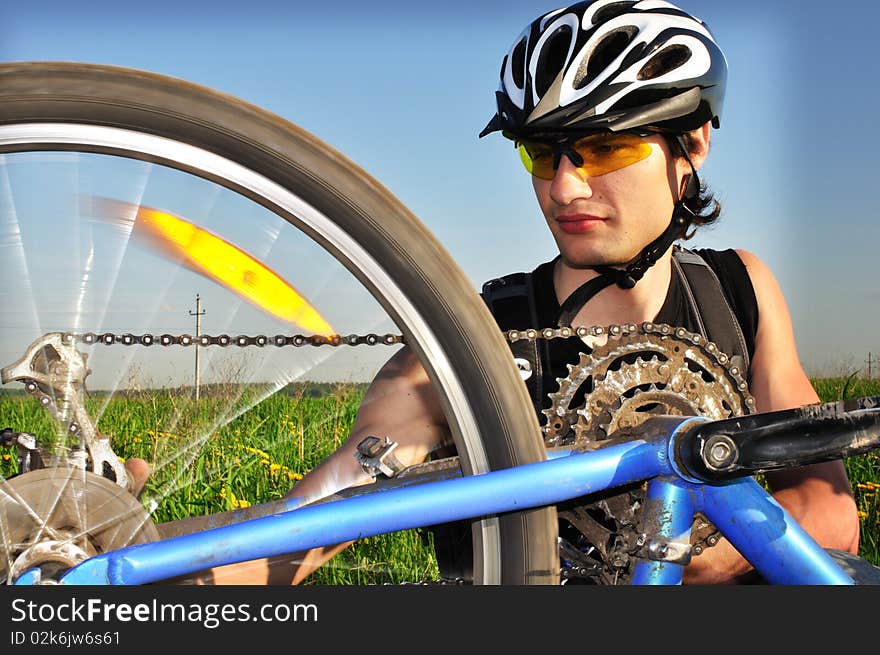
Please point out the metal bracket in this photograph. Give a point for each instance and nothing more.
(661, 549)
(376, 457)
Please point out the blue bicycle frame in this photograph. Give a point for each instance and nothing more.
(760, 529)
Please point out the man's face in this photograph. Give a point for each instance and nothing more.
(609, 218)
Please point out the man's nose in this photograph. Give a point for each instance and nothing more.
(569, 182)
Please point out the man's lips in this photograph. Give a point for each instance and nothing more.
(578, 223)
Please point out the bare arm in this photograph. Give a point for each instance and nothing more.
(400, 403)
(819, 496)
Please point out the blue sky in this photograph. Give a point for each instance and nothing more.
(404, 88)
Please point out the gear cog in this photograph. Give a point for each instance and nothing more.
(634, 372)
(640, 371)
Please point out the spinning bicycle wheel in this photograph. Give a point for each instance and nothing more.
(88, 148)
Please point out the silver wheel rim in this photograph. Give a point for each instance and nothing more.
(174, 154)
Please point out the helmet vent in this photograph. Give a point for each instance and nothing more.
(518, 64)
(553, 56)
(613, 10)
(604, 52)
(668, 59)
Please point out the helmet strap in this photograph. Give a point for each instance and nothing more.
(626, 278)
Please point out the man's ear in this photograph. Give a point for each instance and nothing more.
(701, 137)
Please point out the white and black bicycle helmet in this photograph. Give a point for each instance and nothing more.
(611, 65)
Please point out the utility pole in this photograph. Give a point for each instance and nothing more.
(869, 366)
(198, 314)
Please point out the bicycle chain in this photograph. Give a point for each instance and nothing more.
(704, 535)
(531, 334)
(241, 340)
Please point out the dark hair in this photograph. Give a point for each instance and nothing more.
(705, 206)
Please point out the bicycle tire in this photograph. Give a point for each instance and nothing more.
(89, 108)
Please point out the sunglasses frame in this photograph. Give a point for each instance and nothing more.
(561, 143)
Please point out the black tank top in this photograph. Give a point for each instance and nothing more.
(557, 354)
(452, 541)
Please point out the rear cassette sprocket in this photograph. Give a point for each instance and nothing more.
(55, 518)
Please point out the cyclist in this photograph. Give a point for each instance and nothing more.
(611, 105)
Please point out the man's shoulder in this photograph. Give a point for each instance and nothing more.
(511, 281)
(710, 255)
(727, 264)
(518, 282)
(522, 299)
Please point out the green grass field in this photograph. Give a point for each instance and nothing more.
(256, 457)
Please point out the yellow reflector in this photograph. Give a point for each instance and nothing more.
(218, 260)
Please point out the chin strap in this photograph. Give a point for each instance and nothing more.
(626, 278)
